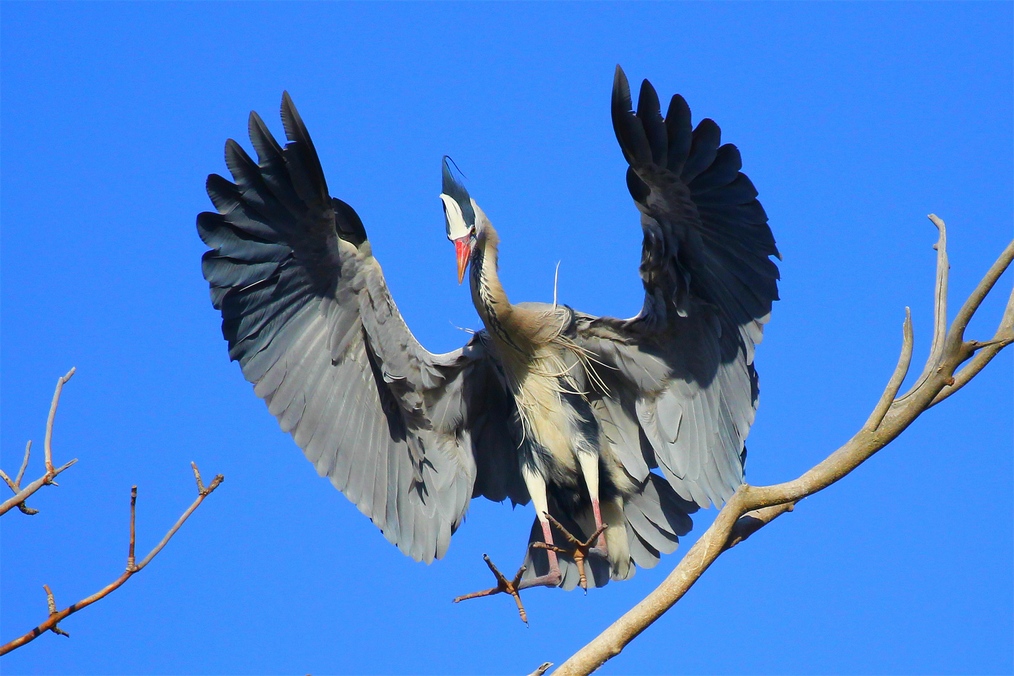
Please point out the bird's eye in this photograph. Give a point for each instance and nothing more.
(471, 232)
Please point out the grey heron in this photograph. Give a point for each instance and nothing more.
(616, 430)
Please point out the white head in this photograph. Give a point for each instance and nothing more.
(463, 217)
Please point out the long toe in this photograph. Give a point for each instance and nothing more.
(579, 550)
(503, 586)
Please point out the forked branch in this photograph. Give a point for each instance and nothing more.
(753, 507)
(22, 494)
(52, 621)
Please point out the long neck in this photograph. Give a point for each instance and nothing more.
(487, 293)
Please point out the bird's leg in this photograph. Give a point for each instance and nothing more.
(578, 550)
(589, 463)
(537, 490)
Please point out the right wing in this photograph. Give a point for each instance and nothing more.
(680, 389)
(406, 435)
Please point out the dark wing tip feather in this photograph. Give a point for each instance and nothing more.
(722, 172)
(707, 137)
(679, 131)
(263, 142)
(295, 130)
(628, 129)
(647, 100)
(237, 160)
(301, 144)
(223, 193)
(207, 224)
(650, 115)
(621, 91)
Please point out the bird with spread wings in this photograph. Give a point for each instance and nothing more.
(616, 430)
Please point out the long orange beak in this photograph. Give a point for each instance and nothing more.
(463, 252)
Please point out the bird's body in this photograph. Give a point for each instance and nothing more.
(562, 451)
(630, 424)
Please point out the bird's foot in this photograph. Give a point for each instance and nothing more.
(503, 586)
(577, 549)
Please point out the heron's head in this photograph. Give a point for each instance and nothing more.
(464, 218)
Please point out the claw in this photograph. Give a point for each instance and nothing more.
(577, 550)
(503, 586)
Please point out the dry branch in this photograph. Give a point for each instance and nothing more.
(753, 507)
(51, 623)
(22, 494)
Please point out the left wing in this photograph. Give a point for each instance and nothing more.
(407, 435)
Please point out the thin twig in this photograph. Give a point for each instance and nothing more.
(939, 305)
(940, 297)
(897, 378)
(51, 604)
(24, 464)
(54, 617)
(10, 483)
(753, 507)
(133, 520)
(46, 478)
(22, 494)
(48, 445)
(15, 484)
(186, 515)
(197, 478)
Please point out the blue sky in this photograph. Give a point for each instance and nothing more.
(854, 121)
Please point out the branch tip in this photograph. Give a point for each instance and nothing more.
(541, 669)
(50, 601)
(51, 605)
(133, 513)
(197, 477)
(887, 399)
(48, 443)
(24, 465)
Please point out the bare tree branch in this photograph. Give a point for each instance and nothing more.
(985, 353)
(900, 371)
(22, 494)
(51, 623)
(753, 507)
(15, 485)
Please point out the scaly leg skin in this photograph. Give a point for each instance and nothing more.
(536, 486)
